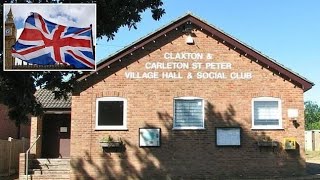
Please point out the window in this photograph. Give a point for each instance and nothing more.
(266, 113)
(111, 113)
(188, 113)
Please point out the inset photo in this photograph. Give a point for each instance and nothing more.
(49, 37)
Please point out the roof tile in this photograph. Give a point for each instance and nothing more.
(47, 100)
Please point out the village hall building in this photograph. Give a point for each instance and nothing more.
(187, 101)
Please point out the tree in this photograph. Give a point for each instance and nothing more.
(312, 115)
(119, 13)
(17, 92)
(17, 88)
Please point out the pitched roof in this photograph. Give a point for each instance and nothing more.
(47, 100)
(214, 32)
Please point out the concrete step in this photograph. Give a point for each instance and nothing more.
(49, 167)
(51, 161)
(50, 164)
(44, 177)
(49, 172)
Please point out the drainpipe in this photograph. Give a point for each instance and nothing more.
(10, 154)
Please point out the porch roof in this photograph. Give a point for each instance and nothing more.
(46, 99)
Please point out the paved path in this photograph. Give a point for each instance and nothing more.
(313, 170)
(313, 167)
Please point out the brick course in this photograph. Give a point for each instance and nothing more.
(185, 153)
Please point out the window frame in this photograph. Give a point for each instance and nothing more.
(174, 113)
(279, 126)
(112, 127)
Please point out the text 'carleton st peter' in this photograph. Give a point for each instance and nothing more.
(194, 66)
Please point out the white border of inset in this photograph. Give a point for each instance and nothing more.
(93, 22)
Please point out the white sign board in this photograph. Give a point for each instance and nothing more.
(63, 129)
(228, 136)
(293, 113)
(149, 137)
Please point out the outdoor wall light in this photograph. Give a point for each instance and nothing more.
(187, 30)
(293, 114)
(189, 39)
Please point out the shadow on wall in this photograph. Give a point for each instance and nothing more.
(193, 154)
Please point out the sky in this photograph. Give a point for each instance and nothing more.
(288, 31)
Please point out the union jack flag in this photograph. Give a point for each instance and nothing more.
(46, 43)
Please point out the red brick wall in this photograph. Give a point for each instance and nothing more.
(8, 127)
(186, 153)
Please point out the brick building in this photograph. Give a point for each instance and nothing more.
(49, 156)
(8, 127)
(53, 126)
(188, 101)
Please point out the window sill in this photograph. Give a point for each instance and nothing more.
(267, 128)
(182, 129)
(110, 129)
